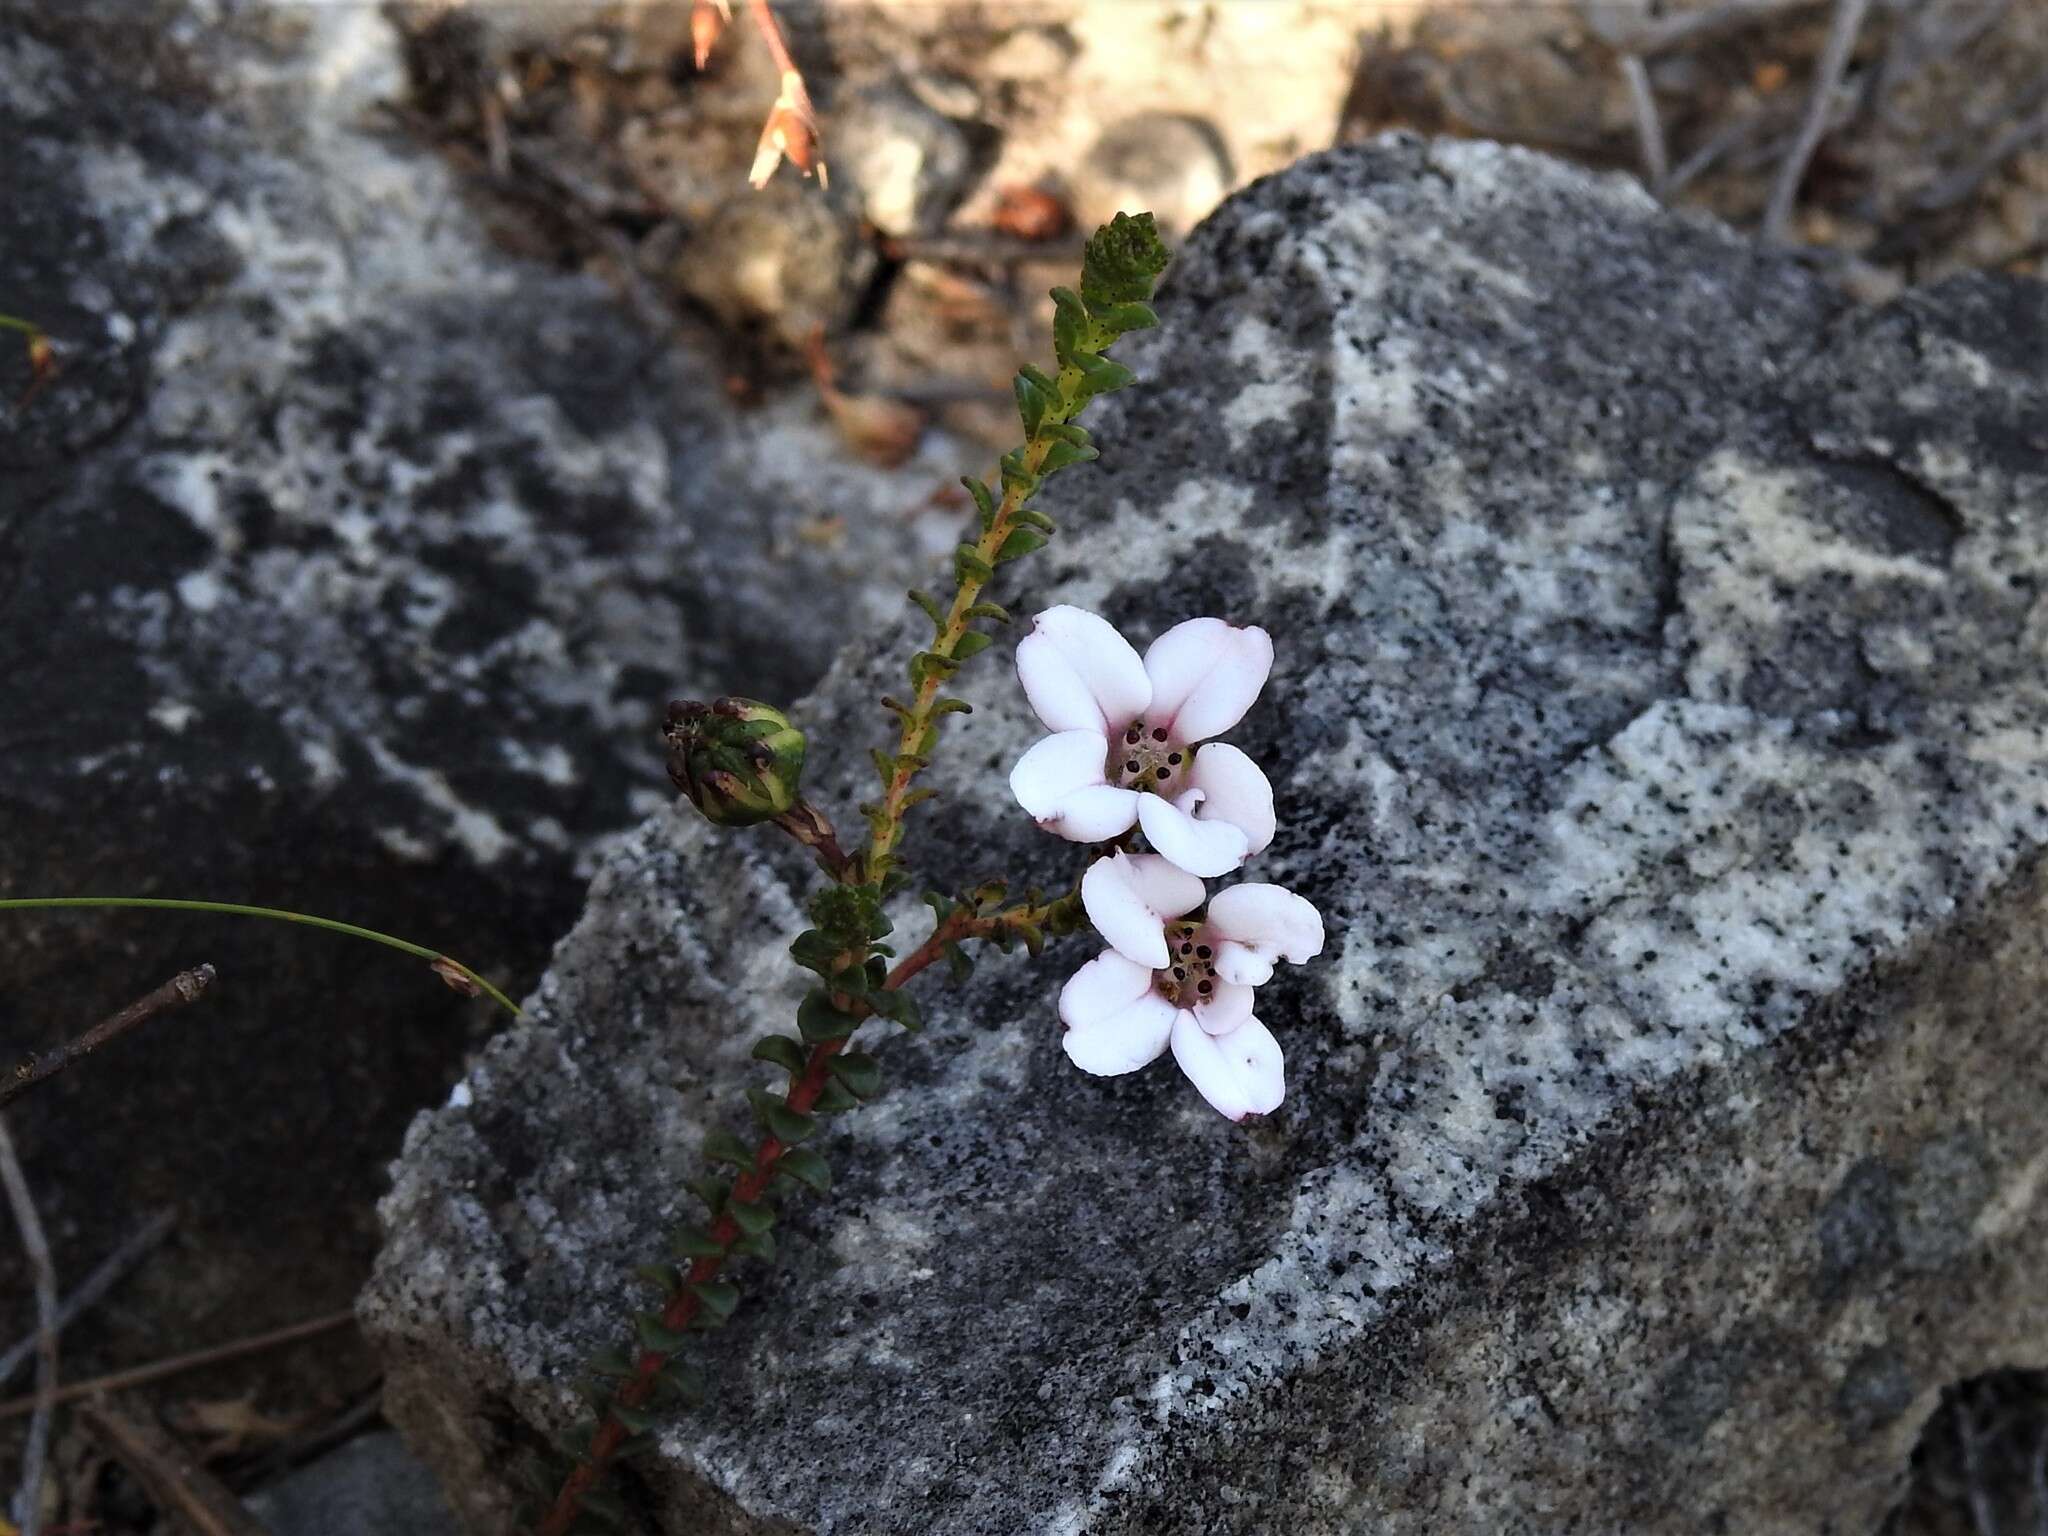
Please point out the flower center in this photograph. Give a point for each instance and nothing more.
(1190, 974)
(1146, 757)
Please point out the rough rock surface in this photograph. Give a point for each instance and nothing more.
(369, 1487)
(1659, 722)
(345, 565)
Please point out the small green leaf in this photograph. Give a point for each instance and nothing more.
(786, 1125)
(1017, 475)
(806, 1167)
(756, 1245)
(679, 1382)
(984, 499)
(931, 607)
(724, 1147)
(969, 565)
(663, 1277)
(833, 1099)
(718, 1297)
(614, 1363)
(820, 1020)
(885, 766)
(972, 643)
(638, 1420)
(1021, 542)
(994, 611)
(781, 1051)
(959, 962)
(694, 1242)
(1104, 374)
(657, 1335)
(814, 952)
(929, 666)
(711, 1189)
(953, 706)
(1060, 455)
(859, 1071)
(1032, 403)
(899, 1007)
(1123, 318)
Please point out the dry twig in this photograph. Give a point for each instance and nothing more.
(792, 127)
(28, 1503)
(1649, 127)
(172, 1474)
(177, 1365)
(97, 1284)
(1843, 27)
(181, 990)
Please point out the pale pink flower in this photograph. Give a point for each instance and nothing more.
(1187, 982)
(1131, 738)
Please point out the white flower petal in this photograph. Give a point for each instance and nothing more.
(1270, 919)
(1093, 815)
(1236, 791)
(1206, 848)
(1106, 986)
(1241, 1073)
(1245, 967)
(1123, 1042)
(1080, 674)
(1057, 766)
(1225, 1008)
(1129, 899)
(1205, 674)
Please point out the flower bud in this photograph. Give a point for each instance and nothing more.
(739, 761)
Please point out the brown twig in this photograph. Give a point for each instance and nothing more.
(97, 1284)
(28, 1503)
(1843, 26)
(792, 126)
(171, 1473)
(181, 990)
(177, 1365)
(303, 1447)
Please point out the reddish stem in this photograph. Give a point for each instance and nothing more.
(684, 1305)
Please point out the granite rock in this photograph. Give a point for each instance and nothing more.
(1659, 721)
(346, 565)
(372, 1486)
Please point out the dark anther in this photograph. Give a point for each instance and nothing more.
(1207, 986)
(1204, 951)
(1159, 733)
(1162, 773)
(1180, 973)
(1131, 766)
(1132, 735)
(1173, 758)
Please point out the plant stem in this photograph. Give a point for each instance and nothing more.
(888, 825)
(684, 1303)
(182, 990)
(276, 914)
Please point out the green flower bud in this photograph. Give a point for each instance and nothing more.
(739, 761)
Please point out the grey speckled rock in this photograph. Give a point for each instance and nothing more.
(369, 1487)
(346, 565)
(1660, 723)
